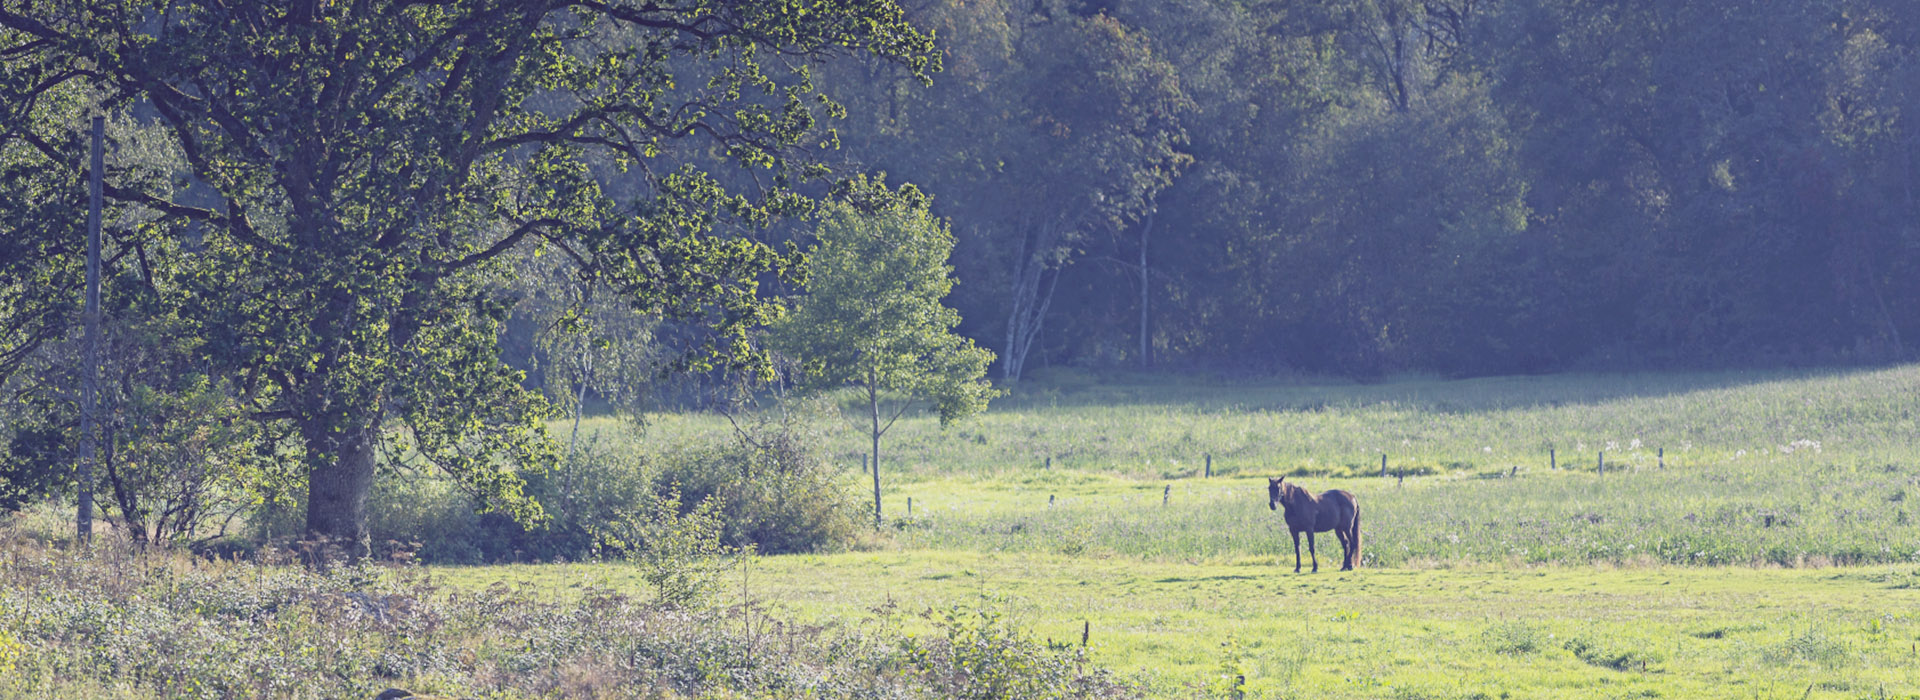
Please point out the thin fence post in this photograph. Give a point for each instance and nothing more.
(1601, 462)
(1209, 465)
(1552, 463)
(1049, 462)
(1383, 465)
(909, 506)
(1166, 495)
(1086, 630)
(1663, 457)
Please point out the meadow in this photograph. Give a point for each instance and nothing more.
(1753, 533)
(1474, 631)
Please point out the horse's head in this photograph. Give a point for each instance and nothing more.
(1273, 493)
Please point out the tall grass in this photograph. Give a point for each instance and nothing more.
(1701, 468)
(1157, 428)
(121, 623)
(1783, 513)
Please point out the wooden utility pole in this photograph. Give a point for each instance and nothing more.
(89, 379)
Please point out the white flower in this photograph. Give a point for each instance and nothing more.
(1634, 445)
(1488, 450)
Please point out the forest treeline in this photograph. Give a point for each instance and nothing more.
(1461, 186)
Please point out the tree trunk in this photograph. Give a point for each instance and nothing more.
(1034, 277)
(1146, 345)
(340, 466)
(873, 410)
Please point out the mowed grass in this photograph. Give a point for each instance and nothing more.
(1185, 630)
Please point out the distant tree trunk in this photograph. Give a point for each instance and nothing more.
(873, 410)
(1146, 345)
(1035, 273)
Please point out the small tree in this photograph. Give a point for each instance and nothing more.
(873, 319)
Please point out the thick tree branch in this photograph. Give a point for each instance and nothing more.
(504, 244)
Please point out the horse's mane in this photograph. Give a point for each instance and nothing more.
(1290, 491)
(1290, 494)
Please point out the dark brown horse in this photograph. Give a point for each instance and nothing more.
(1333, 510)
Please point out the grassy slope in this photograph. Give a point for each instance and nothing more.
(1692, 632)
(1158, 429)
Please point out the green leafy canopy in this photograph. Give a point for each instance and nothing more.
(347, 175)
(873, 315)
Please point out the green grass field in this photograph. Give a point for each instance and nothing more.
(1773, 551)
(1159, 428)
(1185, 630)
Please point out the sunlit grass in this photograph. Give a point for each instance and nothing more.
(1572, 632)
(1754, 534)
(1158, 428)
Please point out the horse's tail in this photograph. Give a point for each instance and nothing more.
(1355, 537)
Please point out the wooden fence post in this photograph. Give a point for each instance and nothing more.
(1552, 463)
(1601, 462)
(1383, 465)
(1663, 458)
(1209, 465)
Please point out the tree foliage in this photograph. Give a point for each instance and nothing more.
(349, 174)
(873, 319)
(1467, 186)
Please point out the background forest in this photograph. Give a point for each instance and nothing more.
(1461, 186)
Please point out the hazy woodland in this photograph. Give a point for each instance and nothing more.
(880, 349)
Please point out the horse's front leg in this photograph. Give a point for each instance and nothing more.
(1296, 551)
(1315, 555)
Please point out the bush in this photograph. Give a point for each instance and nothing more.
(976, 655)
(778, 493)
(770, 490)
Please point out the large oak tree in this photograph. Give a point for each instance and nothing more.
(349, 173)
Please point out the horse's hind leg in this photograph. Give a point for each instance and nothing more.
(1346, 547)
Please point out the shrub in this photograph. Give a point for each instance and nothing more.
(779, 493)
(770, 489)
(679, 553)
(1514, 637)
(976, 655)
